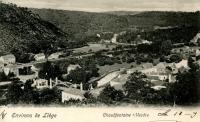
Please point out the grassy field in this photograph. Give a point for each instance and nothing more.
(107, 68)
(94, 48)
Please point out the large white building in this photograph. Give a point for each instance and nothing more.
(39, 57)
(72, 94)
(8, 59)
(55, 55)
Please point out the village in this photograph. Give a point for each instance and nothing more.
(159, 74)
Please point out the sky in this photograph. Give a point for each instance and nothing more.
(111, 5)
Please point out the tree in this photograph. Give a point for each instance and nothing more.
(175, 58)
(77, 76)
(137, 86)
(48, 96)
(50, 70)
(110, 95)
(14, 93)
(30, 96)
(166, 47)
(186, 89)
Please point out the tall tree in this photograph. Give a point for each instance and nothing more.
(14, 93)
(137, 86)
(110, 95)
(30, 96)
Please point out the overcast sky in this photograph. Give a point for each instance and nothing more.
(112, 5)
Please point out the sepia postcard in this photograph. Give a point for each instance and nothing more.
(99, 60)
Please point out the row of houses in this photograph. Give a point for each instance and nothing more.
(42, 56)
(187, 51)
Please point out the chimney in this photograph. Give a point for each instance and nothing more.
(56, 80)
(81, 86)
(50, 84)
(47, 83)
(170, 78)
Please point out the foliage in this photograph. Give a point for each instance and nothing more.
(14, 93)
(137, 86)
(50, 70)
(48, 96)
(30, 96)
(4, 77)
(186, 89)
(110, 95)
(175, 58)
(84, 23)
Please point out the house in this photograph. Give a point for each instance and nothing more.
(39, 57)
(71, 94)
(11, 69)
(8, 59)
(146, 42)
(40, 83)
(147, 65)
(132, 70)
(22, 71)
(158, 72)
(106, 79)
(55, 55)
(183, 63)
(114, 39)
(72, 67)
(197, 52)
(157, 88)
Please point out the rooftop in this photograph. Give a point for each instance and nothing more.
(72, 91)
(9, 56)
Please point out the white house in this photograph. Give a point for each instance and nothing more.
(40, 83)
(183, 63)
(55, 55)
(8, 59)
(39, 57)
(72, 93)
(197, 53)
(114, 39)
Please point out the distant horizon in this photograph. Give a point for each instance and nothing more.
(101, 6)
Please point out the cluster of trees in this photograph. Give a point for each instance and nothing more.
(50, 70)
(29, 95)
(182, 34)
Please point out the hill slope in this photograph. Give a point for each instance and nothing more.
(79, 23)
(21, 31)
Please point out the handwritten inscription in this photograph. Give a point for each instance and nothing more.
(166, 115)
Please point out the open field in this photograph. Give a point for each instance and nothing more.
(94, 48)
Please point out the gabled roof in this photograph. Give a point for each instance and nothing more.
(74, 66)
(72, 91)
(9, 56)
